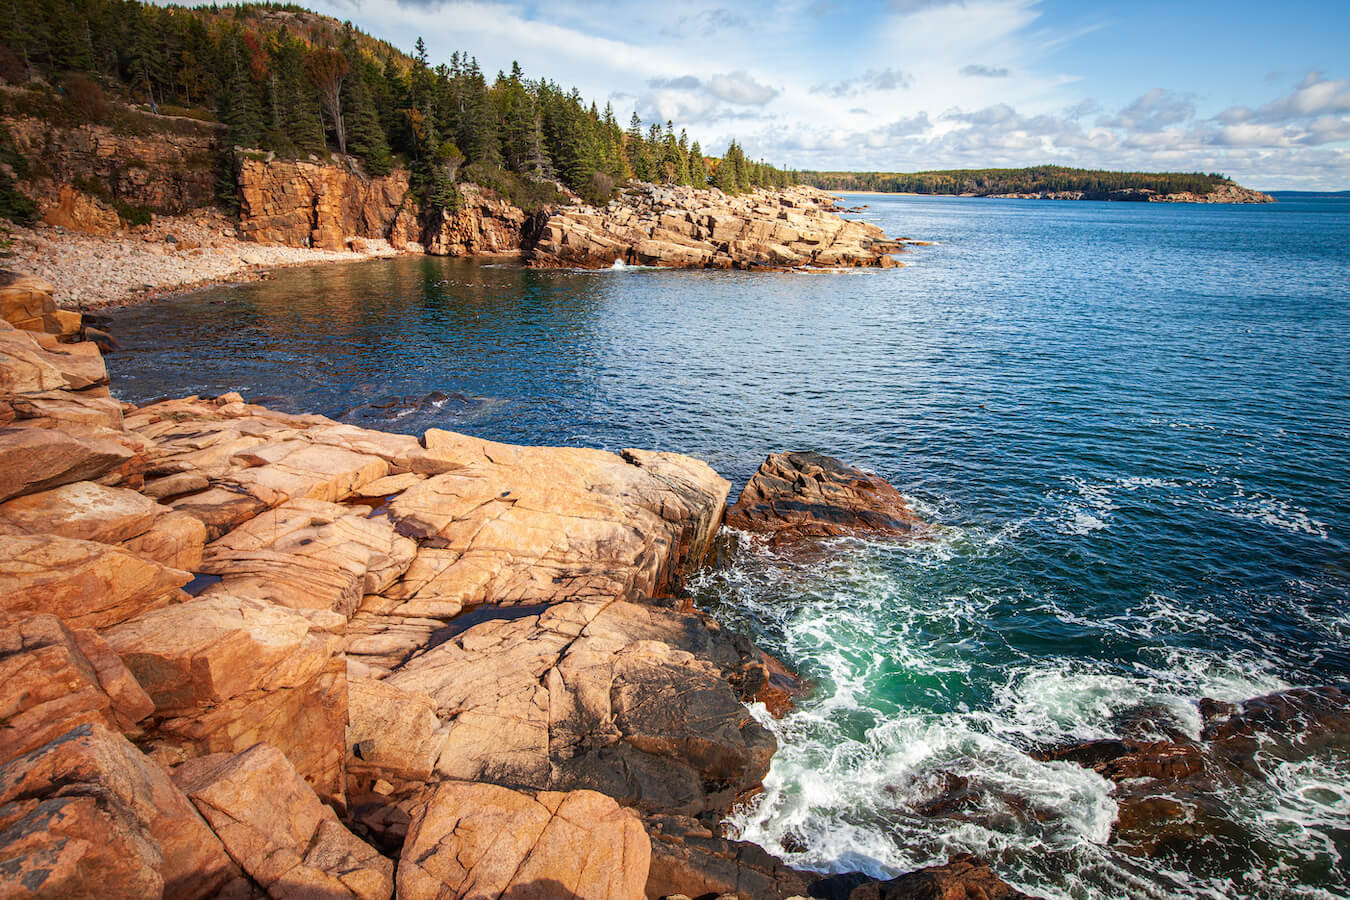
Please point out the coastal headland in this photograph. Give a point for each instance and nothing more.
(292, 212)
(247, 652)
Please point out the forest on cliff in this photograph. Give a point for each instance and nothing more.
(291, 82)
(1033, 180)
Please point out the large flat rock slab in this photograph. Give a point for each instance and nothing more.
(599, 695)
(87, 584)
(310, 554)
(481, 842)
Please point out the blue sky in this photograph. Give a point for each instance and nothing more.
(1258, 90)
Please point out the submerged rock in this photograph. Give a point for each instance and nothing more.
(809, 495)
(1174, 795)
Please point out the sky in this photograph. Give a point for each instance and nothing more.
(1257, 90)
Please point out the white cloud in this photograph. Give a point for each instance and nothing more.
(887, 79)
(741, 88)
(1153, 111)
(977, 71)
(906, 96)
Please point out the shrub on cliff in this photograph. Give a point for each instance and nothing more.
(14, 204)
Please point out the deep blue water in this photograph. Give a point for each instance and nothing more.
(1131, 423)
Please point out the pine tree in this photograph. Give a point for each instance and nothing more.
(365, 135)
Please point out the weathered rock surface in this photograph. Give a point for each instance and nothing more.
(591, 695)
(50, 684)
(26, 303)
(88, 585)
(274, 826)
(310, 554)
(76, 847)
(307, 204)
(91, 762)
(677, 226)
(809, 495)
(484, 224)
(225, 673)
(482, 841)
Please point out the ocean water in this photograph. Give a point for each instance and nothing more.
(1129, 424)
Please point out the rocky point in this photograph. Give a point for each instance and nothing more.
(246, 653)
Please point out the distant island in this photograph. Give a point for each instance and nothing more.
(1046, 183)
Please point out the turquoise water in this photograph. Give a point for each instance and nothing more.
(1130, 422)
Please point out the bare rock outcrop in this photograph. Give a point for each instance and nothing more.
(138, 807)
(327, 205)
(26, 303)
(309, 204)
(278, 831)
(809, 495)
(170, 165)
(53, 679)
(483, 224)
(686, 228)
(482, 841)
(584, 694)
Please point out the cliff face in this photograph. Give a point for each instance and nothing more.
(168, 171)
(304, 204)
(484, 224)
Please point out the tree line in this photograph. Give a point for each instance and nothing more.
(292, 82)
(1032, 180)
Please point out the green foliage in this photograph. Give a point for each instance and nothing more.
(291, 82)
(1033, 180)
(14, 204)
(528, 193)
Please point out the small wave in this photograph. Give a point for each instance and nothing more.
(1277, 513)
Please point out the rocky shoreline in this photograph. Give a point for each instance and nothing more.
(1229, 193)
(172, 254)
(243, 652)
(681, 227)
(309, 211)
(247, 653)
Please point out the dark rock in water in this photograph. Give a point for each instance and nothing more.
(1290, 724)
(105, 342)
(1172, 794)
(809, 495)
(962, 878)
(388, 409)
(690, 859)
(1123, 760)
